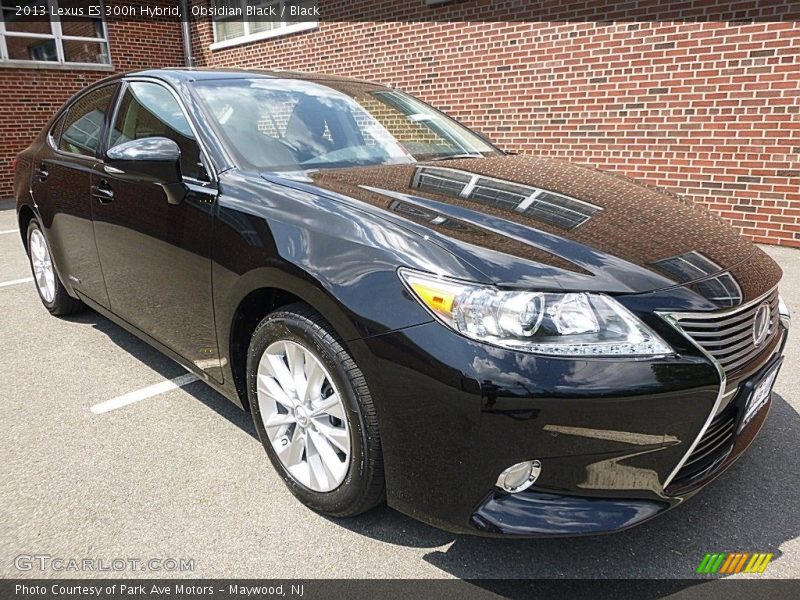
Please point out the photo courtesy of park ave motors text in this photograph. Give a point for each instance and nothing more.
(454, 283)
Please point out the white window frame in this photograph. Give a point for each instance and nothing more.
(59, 38)
(286, 27)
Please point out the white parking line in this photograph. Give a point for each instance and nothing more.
(144, 393)
(16, 281)
(9, 231)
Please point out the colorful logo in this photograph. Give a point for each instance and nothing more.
(734, 562)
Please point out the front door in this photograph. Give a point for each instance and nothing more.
(156, 256)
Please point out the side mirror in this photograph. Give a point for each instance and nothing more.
(156, 160)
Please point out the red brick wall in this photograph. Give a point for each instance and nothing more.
(29, 97)
(705, 108)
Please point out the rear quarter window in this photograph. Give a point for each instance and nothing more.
(83, 124)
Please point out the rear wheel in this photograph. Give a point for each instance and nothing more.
(52, 293)
(314, 413)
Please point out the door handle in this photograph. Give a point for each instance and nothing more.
(103, 192)
(112, 170)
(42, 172)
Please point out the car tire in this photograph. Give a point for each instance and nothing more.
(306, 447)
(52, 292)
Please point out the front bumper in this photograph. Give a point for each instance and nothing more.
(609, 433)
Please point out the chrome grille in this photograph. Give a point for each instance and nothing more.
(713, 447)
(728, 335)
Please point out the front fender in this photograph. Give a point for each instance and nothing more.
(334, 256)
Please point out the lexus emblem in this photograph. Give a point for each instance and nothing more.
(761, 324)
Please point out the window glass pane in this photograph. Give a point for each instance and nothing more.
(33, 23)
(84, 122)
(31, 35)
(228, 29)
(279, 125)
(24, 48)
(35, 17)
(258, 24)
(82, 28)
(150, 110)
(85, 52)
(414, 134)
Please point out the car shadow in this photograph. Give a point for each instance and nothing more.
(754, 507)
(167, 368)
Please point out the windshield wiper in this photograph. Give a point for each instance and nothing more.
(456, 156)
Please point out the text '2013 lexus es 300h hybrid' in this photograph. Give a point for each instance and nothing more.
(493, 344)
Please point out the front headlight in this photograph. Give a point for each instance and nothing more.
(568, 324)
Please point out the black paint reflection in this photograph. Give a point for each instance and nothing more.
(719, 287)
(531, 513)
(527, 221)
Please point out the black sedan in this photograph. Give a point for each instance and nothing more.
(494, 344)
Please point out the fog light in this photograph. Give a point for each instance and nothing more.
(520, 476)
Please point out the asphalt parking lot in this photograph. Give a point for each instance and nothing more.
(180, 474)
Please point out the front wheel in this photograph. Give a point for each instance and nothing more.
(52, 292)
(314, 413)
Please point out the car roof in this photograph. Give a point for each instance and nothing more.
(183, 75)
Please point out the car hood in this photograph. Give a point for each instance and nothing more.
(526, 221)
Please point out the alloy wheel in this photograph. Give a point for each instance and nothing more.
(303, 415)
(42, 266)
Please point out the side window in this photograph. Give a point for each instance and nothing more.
(84, 122)
(150, 110)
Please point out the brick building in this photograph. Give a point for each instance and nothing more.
(43, 63)
(702, 99)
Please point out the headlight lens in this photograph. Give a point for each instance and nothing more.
(569, 324)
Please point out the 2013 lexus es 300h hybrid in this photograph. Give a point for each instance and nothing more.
(494, 344)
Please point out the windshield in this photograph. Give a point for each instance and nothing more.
(287, 125)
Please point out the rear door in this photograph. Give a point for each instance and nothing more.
(61, 185)
(156, 256)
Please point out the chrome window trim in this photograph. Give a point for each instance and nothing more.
(57, 122)
(673, 318)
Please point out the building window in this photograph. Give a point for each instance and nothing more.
(31, 32)
(243, 21)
